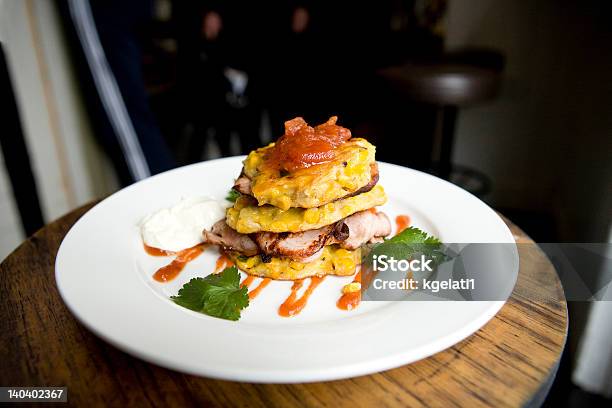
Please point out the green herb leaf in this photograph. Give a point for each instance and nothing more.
(413, 235)
(232, 196)
(408, 244)
(218, 295)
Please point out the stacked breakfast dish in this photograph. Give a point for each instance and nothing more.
(306, 205)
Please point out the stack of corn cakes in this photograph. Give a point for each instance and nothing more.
(306, 205)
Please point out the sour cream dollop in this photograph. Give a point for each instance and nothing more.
(180, 226)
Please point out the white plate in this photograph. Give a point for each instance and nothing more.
(104, 277)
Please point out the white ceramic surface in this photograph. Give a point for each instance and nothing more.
(104, 277)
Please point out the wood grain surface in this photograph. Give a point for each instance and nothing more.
(505, 363)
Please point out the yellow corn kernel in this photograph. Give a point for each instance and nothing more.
(352, 169)
(343, 261)
(241, 203)
(252, 261)
(231, 214)
(345, 182)
(282, 202)
(351, 287)
(279, 225)
(298, 266)
(347, 210)
(251, 162)
(312, 215)
(342, 253)
(272, 193)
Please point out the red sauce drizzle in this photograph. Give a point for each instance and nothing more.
(222, 262)
(156, 251)
(349, 301)
(402, 222)
(367, 276)
(293, 306)
(247, 281)
(171, 271)
(253, 294)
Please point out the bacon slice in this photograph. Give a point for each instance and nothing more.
(306, 246)
(350, 233)
(312, 257)
(300, 245)
(243, 184)
(364, 227)
(223, 235)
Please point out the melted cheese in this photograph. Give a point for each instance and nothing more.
(314, 186)
(248, 219)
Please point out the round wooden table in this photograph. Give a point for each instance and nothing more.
(511, 361)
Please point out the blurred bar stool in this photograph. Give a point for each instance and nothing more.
(449, 82)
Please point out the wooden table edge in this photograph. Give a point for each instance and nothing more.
(536, 398)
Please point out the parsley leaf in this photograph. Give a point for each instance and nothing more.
(232, 196)
(218, 295)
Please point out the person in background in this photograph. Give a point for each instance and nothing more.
(237, 59)
(286, 75)
(217, 45)
(105, 35)
(319, 59)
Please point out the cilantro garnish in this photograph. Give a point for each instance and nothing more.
(408, 244)
(218, 295)
(232, 196)
(413, 235)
